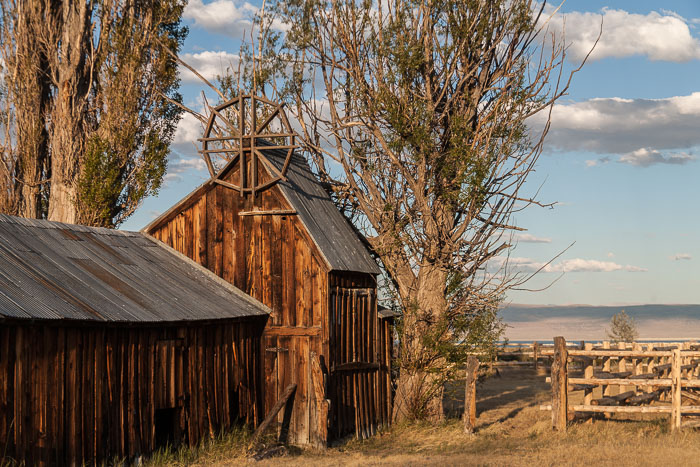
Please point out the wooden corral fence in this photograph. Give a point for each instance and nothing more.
(642, 373)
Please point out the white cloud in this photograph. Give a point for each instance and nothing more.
(221, 16)
(228, 17)
(641, 132)
(529, 238)
(645, 157)
(657, 36)
(610, 254)
(189, 129)
(567, 265)
(590, 265)
(209, 64)
(681, 256)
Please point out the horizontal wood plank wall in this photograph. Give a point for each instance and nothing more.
(273, 259)
(70, 395)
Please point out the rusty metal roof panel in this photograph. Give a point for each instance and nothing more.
(57, 271)
(333, 234)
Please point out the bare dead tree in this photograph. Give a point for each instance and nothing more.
(416, 113)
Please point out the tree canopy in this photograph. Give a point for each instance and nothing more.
(86, 105)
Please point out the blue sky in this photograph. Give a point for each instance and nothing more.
(621, 159)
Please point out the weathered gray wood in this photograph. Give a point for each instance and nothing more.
(559, 385)
(273, 413)
(619, 399)
(676, 390)
(470, 394)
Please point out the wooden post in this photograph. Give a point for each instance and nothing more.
(535, 354)
(676, 390)
(588, 373)
(606, 367)
(621, 365)
(559, 385)
(470, 394)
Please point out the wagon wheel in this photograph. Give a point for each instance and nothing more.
(241, 129)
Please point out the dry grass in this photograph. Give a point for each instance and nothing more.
(511, 430)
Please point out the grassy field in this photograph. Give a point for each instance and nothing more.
(511, 430)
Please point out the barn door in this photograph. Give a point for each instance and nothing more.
(286, 362)
(355, 362)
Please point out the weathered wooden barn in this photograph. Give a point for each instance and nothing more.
(111, 342)
(265, 224)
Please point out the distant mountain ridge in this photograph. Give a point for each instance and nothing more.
(517, 313)
(590, 322)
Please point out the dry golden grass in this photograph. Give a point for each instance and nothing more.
(511, 430)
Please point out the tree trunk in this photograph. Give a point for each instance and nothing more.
(419, 390)
(68, 130)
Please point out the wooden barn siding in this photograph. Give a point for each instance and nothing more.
(273, 259)
(361, 394)
(83, 394)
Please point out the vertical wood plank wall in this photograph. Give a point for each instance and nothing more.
(273, 259)
(360, 356)
(72, 395)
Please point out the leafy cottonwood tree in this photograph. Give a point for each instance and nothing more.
(414, 113)
(622, 328)
(85, 105)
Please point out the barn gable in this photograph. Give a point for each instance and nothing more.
(333, 236)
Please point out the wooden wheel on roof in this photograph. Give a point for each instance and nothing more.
(242, 129)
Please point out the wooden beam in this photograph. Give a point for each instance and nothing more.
(273, 413)
(275, 212)
(470, 394)
(355, 366)
(292, 331)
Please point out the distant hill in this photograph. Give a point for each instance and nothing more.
(585, 322)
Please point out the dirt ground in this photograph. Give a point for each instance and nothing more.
(511, 430)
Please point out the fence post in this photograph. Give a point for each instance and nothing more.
(560, 400)
(470, 394)
(676, 390)
(606, 368)
(588, 373)
(535, 353)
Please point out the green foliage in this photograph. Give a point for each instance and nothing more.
(622, 328)
(416, 111)
(102, 121)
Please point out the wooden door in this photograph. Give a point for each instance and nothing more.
(354, 362)
(286, 361)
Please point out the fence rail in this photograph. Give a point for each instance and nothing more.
(656, 372)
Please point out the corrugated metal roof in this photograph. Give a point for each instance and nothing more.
(331, 231)
(50, 270)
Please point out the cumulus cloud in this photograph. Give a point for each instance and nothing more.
(209, 64)
(529, 238)
(658, 36)
(228, 17)
(641, 132)
(188, 130)
(645, 157)
(681, 257)
(567, 265)
(221, 16)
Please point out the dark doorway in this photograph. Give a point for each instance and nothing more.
(167, 421)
